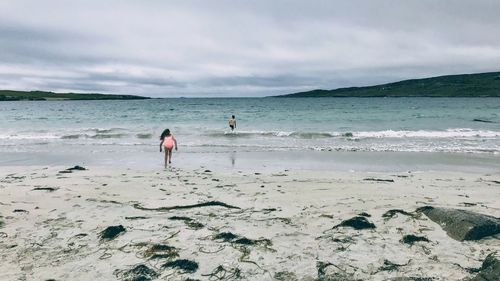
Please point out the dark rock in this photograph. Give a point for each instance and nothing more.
(357, 222)
(363, 214)
(461, 224)
(490, 270)
(185, 265)
(20, 211)
(111, 232)
(411, 239)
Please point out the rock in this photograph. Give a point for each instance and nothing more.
(490, 270)
(357, 222)
(111, 232)
(461, 224)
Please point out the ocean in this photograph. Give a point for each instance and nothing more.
(332, 130)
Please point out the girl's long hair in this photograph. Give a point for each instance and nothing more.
(165, 133)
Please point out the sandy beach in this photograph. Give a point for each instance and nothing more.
(240, 225)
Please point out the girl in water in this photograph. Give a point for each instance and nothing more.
(168, 142)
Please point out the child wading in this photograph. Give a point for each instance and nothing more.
(168, 142)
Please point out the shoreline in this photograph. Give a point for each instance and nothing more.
(266, 160)
(52, 223)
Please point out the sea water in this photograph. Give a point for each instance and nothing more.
(127, 131)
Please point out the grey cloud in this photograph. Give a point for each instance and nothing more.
(240, 48)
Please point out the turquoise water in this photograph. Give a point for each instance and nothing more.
(430, 125)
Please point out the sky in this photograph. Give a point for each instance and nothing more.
(231, 48)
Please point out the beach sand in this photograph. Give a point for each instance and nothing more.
(283, 224)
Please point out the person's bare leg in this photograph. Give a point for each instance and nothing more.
(170, 156)
(166, 158)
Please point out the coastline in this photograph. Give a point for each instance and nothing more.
(52, 220)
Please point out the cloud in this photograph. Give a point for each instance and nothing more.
(240, 48)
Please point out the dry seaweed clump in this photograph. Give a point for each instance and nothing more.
(159, 251)
(411, 239)
(139, 272)
(391, 213)
(225, 236)
(240, 240)
(224, 273)
(112, 232)
(188, 221)
(182, 264)
(357, 222)
(330, 272)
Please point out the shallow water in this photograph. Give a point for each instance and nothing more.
(120, 128)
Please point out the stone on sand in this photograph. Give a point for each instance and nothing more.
(490, 270)
(461, 224)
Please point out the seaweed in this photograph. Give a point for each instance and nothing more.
(357, 222)
(176, 218)
(363, 214)
(391, 213)
(112, 232)
(390, 266)
(160, 251)
(226, 236)
(188, 221)
(199, 205)
(76, 168)
(182, 264)
(223, 273)
(136, 218)
(379, 180)
(140, 272)
(50, 189)
(411, 239)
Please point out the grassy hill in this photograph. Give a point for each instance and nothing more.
(7, 95)
(463, 85)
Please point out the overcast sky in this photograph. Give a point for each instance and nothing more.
(240, 48)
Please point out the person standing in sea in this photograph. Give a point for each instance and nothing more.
(232, 123)
(168, 142)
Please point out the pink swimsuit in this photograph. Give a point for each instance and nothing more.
(168, 142)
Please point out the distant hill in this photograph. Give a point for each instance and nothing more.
(7, 95)
(463, 85)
